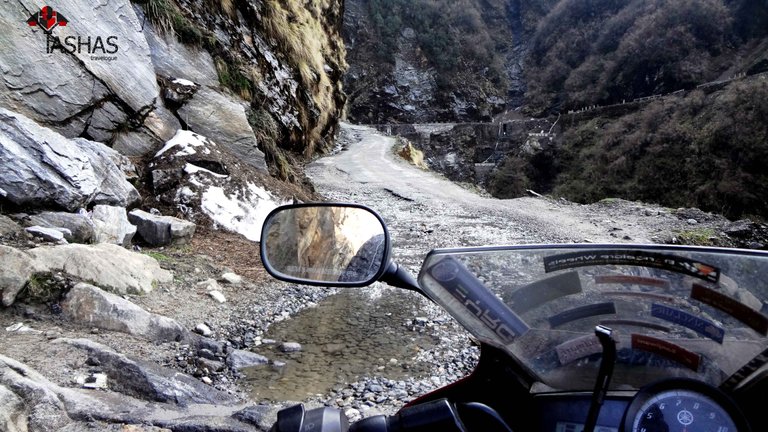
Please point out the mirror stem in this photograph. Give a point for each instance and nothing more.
(399, 277)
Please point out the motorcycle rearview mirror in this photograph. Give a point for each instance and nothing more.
(325, 244)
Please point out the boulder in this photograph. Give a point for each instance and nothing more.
(161, 230)
(42, 168)
(239, 359)
(55, 235)
(47, 88)
(8, 227)
(740, 228)
(179, 90)
(108, 266)
(148, 381)
(11, 411)
(111, 225)
(18, 266)
(31, 402)
(79, 224)
(223, 119)
(42, 410)
(95, 307)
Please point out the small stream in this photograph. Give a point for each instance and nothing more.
(354, 333)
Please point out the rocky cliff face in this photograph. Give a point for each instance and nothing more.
(266, 74)
(123, 124)
(420, 61)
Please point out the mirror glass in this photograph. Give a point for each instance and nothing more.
(324, 244)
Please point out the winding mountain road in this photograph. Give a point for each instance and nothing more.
(424, 210)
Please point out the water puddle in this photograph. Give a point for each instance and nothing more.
(346, 336)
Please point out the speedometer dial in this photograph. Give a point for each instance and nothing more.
(682, 411)
(682, 406)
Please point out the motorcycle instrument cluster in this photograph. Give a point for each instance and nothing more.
(682, 406)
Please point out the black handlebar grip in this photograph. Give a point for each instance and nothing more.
(378, 423)
(297, 419)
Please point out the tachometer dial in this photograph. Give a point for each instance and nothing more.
(682, 406)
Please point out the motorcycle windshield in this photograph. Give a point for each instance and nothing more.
(674, 311)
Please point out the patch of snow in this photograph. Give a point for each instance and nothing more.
(244, 216)
(184, 139)
(185, 194)
(194, 169)
(184, 82)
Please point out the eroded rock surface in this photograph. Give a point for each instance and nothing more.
(79, 225)
(109, 266)
(223, 119)
(111, 225)
(43, 168)
(90, 305)
(161, 230)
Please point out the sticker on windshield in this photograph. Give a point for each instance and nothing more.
(635, 258)
(754, 319)
(478, 300)
(631, 280)
(701, 326)
(582, 312)
(667, 349)
(580, 347)
(543, 291)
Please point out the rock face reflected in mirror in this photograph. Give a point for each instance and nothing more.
(325, 244)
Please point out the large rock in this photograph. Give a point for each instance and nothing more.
(108, 266)
(8, 227)
(31, 402)
(42, 409)
(223, 119)
(42, 168)
(45, 87)
(79, 225)
(148, 381)
(55, 235)
(161, 230)
(17, 268)
(11, 411)
(95, 307)
(111, 225)
(69, 90)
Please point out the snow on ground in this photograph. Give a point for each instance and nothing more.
(181, 81)
(241, 214)
(194, 169)
(186, 140)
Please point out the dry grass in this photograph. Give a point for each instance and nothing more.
(297, 29)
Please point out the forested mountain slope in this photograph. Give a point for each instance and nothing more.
(546, 56)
